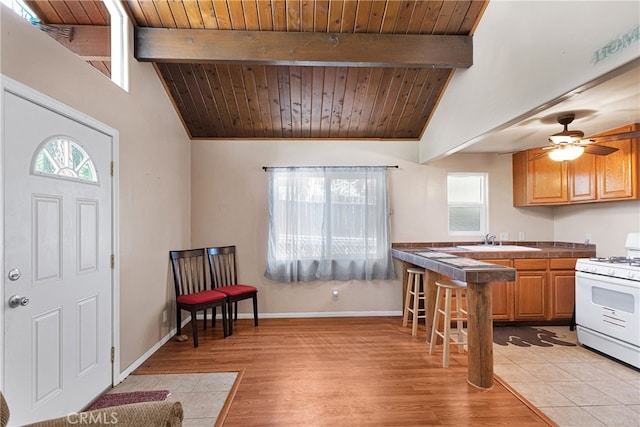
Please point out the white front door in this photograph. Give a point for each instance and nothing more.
(58, 274)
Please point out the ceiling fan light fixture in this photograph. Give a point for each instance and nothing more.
(570, 152)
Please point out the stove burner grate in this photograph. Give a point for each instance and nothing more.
(634, 262)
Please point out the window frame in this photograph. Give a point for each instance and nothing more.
(483, 204)
(303, 244)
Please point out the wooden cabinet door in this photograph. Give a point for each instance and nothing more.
(530, 295)
(547, 180)
(582, 178)
(501, 295)
(617, 172)
(562, 298)
(538, 181)
(530, 289)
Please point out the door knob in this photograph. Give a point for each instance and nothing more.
(17, 300)
(14, 274)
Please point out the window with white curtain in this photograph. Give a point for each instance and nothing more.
(467, 203)
(329, 223)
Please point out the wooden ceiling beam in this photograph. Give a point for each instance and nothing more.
(91, 42)
(174, 45)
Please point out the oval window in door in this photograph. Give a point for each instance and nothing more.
(62, 157)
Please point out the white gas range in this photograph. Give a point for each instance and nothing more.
(608, 303)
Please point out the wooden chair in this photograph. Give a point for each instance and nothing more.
(224, 278)
(189, 278)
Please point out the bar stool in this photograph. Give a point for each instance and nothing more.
(413, 297)
(459, 315)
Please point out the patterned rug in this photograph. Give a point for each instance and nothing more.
(116, 399)
(527, 336)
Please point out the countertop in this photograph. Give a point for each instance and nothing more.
(547, 249)
(467, 265)
(455, 267)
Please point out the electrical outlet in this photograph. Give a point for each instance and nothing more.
(504, 235)
(164, 316)
(335, 294)
(521, 235)
(587, 238)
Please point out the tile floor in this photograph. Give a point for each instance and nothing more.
(573, 386)
(202, 395)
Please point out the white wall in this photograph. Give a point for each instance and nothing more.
(154, 205)
(230, 206)
(526, 54)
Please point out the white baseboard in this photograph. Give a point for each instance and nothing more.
(138, 362)
(322, 314)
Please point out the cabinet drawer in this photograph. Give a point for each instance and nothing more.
(530, 264)
(562, 263)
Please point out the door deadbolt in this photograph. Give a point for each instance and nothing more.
(14, 274)
(17, 300)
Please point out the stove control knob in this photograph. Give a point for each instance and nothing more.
(611, 272)
(631, 274)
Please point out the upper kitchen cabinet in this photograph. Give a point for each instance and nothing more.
(618, 177)
(540, 181)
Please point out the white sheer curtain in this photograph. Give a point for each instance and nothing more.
(329, 223)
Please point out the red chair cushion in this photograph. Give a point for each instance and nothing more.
(237, 290)
(201, 297)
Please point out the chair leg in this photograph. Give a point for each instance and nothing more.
(407, 301)
(447, 328)
(459, 323)
(205, 319)
(225, 326)
(416, 305)
(194, 328)
(213, 317)
(236, 309)
(230, 317)
(179, 320)
(255, 310)
(434, 326)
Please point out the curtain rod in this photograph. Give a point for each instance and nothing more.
(266, 168)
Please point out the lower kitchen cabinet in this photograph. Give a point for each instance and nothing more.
(531, 289)
(502, 294)
(562, 280)
(543, 291)
(530, 296)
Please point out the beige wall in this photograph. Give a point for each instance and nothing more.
(154, 204)
(230, 206)
(607, 223)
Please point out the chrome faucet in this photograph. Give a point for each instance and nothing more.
(490, 239)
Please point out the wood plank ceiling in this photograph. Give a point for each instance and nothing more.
(260, 100)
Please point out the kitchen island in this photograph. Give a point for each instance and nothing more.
(478, 275)
(449, 261)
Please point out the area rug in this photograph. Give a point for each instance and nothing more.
(116, 399)
(527, 336)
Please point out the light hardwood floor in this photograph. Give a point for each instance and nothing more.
(357, 371)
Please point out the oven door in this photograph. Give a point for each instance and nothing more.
(609, 306)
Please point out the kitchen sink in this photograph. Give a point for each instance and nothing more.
(497, 248)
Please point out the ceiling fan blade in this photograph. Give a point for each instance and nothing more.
(599, 150)
(616, 136)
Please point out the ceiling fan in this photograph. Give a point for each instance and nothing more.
(571, 144)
